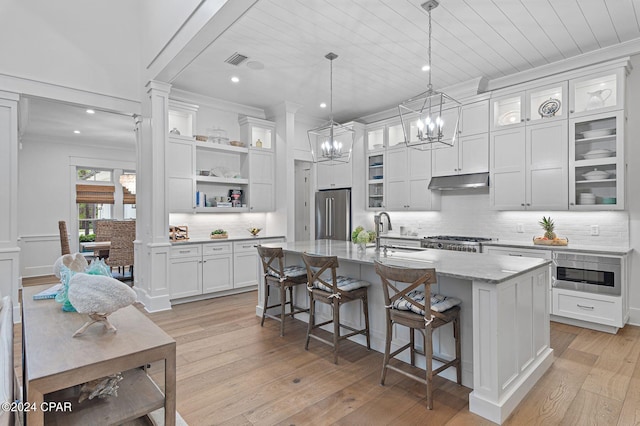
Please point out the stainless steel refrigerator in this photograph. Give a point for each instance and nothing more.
(333, 214)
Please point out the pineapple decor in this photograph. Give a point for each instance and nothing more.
(550, 238)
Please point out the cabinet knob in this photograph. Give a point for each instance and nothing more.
(522, 204)
(251, 208)
(571, 111)
(571, 204)
(528, 119)
(522, 120)
(528, 204)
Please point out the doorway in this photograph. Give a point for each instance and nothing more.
(302, 197)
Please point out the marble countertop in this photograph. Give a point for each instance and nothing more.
(221, 240)
(620, 251)
(470, 266)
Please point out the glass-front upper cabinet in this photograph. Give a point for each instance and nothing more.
(256, 132)
(546, 103)
(396, 135)
(597, 93)
(507, 111)
(375, 138)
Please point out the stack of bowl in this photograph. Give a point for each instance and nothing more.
(587, 198)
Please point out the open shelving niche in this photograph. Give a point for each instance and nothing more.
(210, 156)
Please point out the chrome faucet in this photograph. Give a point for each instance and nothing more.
(377, 219)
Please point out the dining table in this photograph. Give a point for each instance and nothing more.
(95, 246)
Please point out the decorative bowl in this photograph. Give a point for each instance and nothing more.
(237, 143)
(596, 174)
(254, 231)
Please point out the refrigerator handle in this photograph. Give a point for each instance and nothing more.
(330, 228)
(326, 217)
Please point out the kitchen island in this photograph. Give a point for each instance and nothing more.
(504, 315)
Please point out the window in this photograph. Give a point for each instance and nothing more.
(100, 196)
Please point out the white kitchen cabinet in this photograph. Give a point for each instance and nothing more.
(470, 154)
(375, 180)
(591, 307)
(596, 145)
(261, 180)
(185, 271)
(332, 175)
(597, 93)
(532, 106)
(474, 119)
(182, 117)
(217, 267)
(246, 264)
(180, 158)
(376, 137)
(408, 172)
(529, 167)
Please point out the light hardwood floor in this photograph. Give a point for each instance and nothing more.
(231, 371)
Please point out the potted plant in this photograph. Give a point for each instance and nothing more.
(361, 237)
(218, 234)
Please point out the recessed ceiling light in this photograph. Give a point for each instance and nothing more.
(426, 67)
(323, 105)
(90, 111)
(255, 65)
(77, 132)
(235, 79)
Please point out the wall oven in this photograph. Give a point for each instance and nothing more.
(594, 274)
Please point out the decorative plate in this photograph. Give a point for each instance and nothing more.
(509, 117)
(549, 108)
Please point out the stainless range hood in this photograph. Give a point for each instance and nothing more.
(448, 183)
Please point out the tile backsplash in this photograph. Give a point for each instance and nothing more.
(236, 224)
(469, 214)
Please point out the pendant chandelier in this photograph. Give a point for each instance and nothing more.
(423, 116)
(128, 180)
(332, 142)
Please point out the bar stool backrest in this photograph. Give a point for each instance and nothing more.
(416, 278)
(317, 265)
(272, 260)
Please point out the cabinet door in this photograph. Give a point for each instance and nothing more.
(473, 154)
(185, 277)
(547, 166)
(507, 157)
(596, 93)
(450, 123)
(547, 103)
(419, 195)
(180, 176)
(261, 177)
(375, 138)
(217, 273)
(334, 176)
(245, 269)
(475, 118)
(507, 111)
(396, 196)
(445, 161)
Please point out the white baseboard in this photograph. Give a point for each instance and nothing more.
(153, 303)
(585, 324)
(634, 316)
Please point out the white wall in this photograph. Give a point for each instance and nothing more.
(45, 196)
(87, 45)
(633, 178)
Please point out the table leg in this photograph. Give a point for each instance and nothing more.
(170, 389)
(35, 415)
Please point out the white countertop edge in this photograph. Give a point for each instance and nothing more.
(222, 240)
(621, 251)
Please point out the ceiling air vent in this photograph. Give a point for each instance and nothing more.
(236, 59)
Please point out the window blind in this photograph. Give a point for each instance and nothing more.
(128, 197)
(97, 194)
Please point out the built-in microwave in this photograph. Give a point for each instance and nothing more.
(594, 274)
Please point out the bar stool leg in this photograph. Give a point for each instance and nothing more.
(283, 307)
(312, 309)
(365, 309)
(456, 336)
(428, 351)
(266, 301)
(387, 349)
(291, 300)
(336, 329)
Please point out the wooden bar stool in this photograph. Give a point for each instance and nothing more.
(277, 275)
(406, 307)
(335, 291)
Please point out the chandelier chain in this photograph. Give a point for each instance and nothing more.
(430, 87)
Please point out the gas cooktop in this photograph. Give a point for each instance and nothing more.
(457, 238)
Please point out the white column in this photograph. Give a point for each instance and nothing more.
(152, 233)
(9, 250)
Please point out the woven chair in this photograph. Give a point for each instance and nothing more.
(334, 290)
(103, 233)
(64, 238)
(283, 278)
(406, 306)
(121, 251)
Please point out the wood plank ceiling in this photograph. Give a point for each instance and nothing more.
(382, 45)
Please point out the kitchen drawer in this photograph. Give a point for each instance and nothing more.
(217, 248)
(399, 242)
(517, 252)
(186, 251)
(245, 246)
(588, 307)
